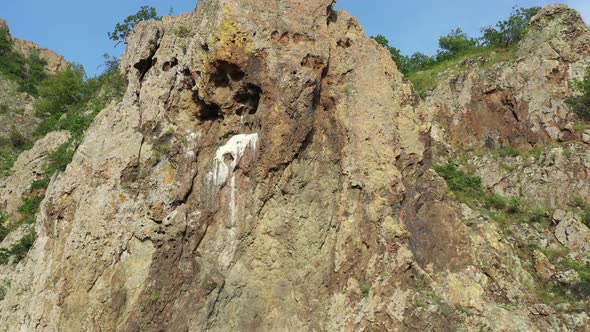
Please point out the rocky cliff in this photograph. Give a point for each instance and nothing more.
(55, 62)
(270, 169)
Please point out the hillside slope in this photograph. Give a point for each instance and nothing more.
(270, 169)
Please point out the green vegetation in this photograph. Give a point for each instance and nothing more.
(509, 151)
(580, 103)
(4, 230)
(28, 73)
(469, 189)
(580, 203)
(10, 148)
(20, 249)
(509, 32)
(122, 30)
(366, 290)
(155, 297)
(494, 45)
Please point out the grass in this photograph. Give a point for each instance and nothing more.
(10, 148)
(425, 81)
(155, 297)
(19, 250)
(4, 229)
(366, 290)
(580, 203)
(468, 189)
(505, 152)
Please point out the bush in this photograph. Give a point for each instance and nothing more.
(29, 209)
(509, 151)
(580, 103)
(61, 92)
(29, 72)
(19, 250)
(122, 30)
(495, 201)
(455, 44)
(4, 230)
(460, 182)
(509, 32)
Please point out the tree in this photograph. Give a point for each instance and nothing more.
(580, 103)
(381, 40)
(455, 43)
(122, 30)
(67, 88)
(402, 61)
(509, 32)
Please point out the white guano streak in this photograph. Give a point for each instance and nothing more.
(236, 147)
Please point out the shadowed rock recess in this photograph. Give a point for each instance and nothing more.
(269, 169)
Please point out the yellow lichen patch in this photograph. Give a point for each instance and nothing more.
(169, 175)
(122, 198)
(228, 37)
(63, 197)
(466, 288)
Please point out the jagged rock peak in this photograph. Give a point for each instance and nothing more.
(55, 62)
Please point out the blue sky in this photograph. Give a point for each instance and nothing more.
(78, 29)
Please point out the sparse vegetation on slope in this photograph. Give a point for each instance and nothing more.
(580, 103)
(495, 44)
(28, 72)
(468, 189)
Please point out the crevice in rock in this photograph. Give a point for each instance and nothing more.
(225, 72)
(249, 97)
(170, 64)
(331, 14)
(209, 112)
(144, 65)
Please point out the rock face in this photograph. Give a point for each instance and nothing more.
(520, 103)
(28, 167)
(268, 169)
(55, 62)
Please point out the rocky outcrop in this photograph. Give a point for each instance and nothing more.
(55, 62)
(29, 166)
(267, 169)
(519, 102)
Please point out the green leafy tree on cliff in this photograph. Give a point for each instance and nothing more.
(122, 30)
(454, 44)
(509, 32)
(580, 103)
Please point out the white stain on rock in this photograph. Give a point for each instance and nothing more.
(236, 147)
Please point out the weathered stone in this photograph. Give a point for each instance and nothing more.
(572, 233)
(269, 169)
(28, 167)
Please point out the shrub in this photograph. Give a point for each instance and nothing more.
(495, 201)
(460, 182)
(4, 230)
(62, 91)
(29, 209)
(580, 103)
(514, 205)
(18, 141)
(509, 151)
(509, 32)
(454, 44)
(27, 72)
(122, 30)
(20, 249)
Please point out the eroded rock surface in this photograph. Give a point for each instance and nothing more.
(267, 169)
